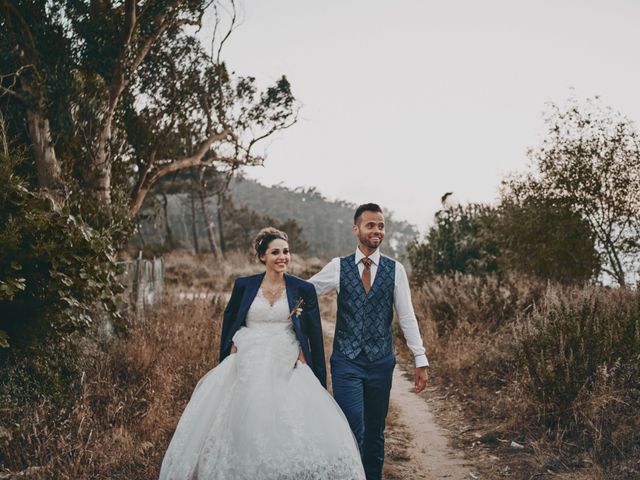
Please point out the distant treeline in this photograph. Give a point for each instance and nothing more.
(316, 225)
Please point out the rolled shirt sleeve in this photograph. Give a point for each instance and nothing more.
(407, 317)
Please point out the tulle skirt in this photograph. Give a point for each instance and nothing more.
(260, 415)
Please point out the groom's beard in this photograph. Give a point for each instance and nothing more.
(371, 243)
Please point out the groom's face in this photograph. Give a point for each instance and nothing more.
(370, 229)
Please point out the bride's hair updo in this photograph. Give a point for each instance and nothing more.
(265, 237)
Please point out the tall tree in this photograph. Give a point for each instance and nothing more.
(112, 96)
(590, 161)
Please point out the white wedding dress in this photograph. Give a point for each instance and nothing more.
(257, 417)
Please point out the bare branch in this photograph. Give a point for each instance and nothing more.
(234, 16)
(131, 21)
(9, 90)
(174, 166)
(3, 132)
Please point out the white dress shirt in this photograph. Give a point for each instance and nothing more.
(328, 279)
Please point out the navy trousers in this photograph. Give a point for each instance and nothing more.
(362, 387)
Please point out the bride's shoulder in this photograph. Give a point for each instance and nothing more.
(247, 279)
(300, 282)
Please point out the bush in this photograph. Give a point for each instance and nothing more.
(460, 241)
(481, 303)
(55, 270)
(545, 239)
(539, 238)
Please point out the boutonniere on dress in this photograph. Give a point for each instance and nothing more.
(297, 308)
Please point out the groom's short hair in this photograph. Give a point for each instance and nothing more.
(365, 207)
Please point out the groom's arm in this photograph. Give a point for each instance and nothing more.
(328, 278)
(409, 326)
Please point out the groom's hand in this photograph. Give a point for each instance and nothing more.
(421, 379)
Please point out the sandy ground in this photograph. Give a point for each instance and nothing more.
(428, 454)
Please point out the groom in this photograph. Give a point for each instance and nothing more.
(370, 285)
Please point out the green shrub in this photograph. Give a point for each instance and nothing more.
(56, 271)
(545, 239)
(460, 241)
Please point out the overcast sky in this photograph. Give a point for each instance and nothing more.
(403, 101)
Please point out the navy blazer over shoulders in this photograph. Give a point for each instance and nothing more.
(307, 325)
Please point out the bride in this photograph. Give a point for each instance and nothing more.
(263, 413)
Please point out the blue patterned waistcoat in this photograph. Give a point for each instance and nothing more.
(364, 320)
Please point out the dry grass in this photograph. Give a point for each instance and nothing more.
(553, 368)
(130, 399)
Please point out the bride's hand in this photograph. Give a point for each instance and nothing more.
(301, 358)
(234, 349)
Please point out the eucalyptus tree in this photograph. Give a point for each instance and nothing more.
(99, 100)
(110, 96)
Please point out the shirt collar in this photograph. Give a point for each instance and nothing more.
(375, 256)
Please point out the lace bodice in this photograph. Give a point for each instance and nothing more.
(264, 315)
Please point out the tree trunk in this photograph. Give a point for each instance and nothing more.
(194, 228)
(144, 242)
(47, 165)
(614, 261)
(223, 247)
(98, 174)
(208, 224)
(169, 241)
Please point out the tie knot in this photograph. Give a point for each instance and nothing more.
(366, 261)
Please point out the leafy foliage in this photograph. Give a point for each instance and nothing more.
(534, 236)
(546, 239)
(460, 241)
(109, 97)
(56, 271)
(590, 161)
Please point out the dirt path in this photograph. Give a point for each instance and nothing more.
(411, 429)
(416, 447)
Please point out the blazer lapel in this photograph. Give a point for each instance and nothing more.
(250, 293)
(291, 293)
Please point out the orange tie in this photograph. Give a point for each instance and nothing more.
(366, 274)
